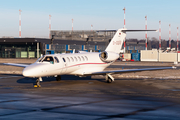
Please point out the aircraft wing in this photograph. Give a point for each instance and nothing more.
(15, 64)
(129, 70)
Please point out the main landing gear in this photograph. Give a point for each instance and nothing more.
(58, 78)
(109, 78)
(38, 82)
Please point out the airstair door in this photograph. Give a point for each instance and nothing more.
(64, 67)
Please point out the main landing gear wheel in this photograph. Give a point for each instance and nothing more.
(109, 80)
(38, 82)
(58, 78)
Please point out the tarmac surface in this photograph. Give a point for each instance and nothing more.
(91, 98)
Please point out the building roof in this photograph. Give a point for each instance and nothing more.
(48, 41)
(23, 40)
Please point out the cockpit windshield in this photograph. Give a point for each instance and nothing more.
(39, 60)
(46, 59)
(50, 59)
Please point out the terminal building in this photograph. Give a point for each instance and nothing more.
(22, 47)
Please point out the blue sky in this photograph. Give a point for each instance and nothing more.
(102, 14)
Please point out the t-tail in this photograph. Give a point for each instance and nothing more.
(117, 41)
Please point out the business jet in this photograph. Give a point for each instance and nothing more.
(81, 64)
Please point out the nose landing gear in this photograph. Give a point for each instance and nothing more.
(38, 82)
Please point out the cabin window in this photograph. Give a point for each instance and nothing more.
(68, 59)
(75, 58)
(64, 60)
(86, 58)
(82, 58)
(72, 59)
(56, 60)
(48, 59)
(79, 58)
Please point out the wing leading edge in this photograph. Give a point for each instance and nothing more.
(129, 70)
(18, 65)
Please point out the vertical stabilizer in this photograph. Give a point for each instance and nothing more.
(117, 41)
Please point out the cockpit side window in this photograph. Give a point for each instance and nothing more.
(48, 59)
(56, 60)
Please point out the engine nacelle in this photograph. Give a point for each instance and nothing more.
(108, 56)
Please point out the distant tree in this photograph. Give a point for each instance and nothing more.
(173, 44)
(154, 39)
(149, 47)
(155, 43)
(164, 44)
(132, 40)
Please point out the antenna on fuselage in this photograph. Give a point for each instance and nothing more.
(74, 50)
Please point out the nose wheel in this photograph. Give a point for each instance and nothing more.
(38, 82)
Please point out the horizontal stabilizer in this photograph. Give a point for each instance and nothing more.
(124, 30)
(138, 30)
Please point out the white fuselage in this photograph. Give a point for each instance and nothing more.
(72, 64)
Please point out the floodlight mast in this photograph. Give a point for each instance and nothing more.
(72, 24)
(170, 36)
(20, 23)
(159, 35)
(146, 29)
(50, 26)
(177, 39)
(124, 28)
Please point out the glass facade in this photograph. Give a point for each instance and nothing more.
(19, 50)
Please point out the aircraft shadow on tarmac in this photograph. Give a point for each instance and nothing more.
(71, 77)
(26, 80)
(63, 77)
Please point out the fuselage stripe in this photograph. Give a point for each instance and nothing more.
(82, 64)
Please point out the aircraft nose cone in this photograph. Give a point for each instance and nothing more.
(26, 72)
(30, 71)
(34, 70)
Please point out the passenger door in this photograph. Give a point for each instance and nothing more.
(64, 65)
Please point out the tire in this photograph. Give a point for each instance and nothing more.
(38, 83)
(109, 80)
(58, 78)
